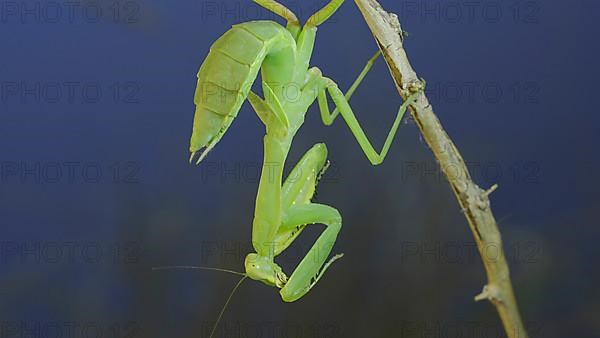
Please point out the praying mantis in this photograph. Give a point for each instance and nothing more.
(282, 211)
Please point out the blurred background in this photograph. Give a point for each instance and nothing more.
(96, 112)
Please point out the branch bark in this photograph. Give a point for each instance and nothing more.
(473, 200)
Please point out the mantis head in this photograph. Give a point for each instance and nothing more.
(265, 270)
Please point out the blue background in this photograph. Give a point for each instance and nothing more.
(149, 207)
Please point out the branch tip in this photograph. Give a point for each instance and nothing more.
(488, 192)
(490, 292)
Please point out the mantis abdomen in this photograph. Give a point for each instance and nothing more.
(227, 74)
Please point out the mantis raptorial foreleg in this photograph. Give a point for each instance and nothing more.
(342, 104)
(294, 213)
(297, 191)
(298, 212)
(307, 273)
(299, 186)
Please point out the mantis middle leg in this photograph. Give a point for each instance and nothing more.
(341, 102)
(280, 10)
(315, 20)
(328, 117)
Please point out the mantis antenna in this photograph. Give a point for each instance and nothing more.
(225, 306)
(188, 267)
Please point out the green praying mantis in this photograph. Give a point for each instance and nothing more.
(282, 211)
(282, 55)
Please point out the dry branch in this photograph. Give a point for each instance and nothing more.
(473, 200)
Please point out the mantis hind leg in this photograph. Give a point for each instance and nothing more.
(324, 13)
(280, 10)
